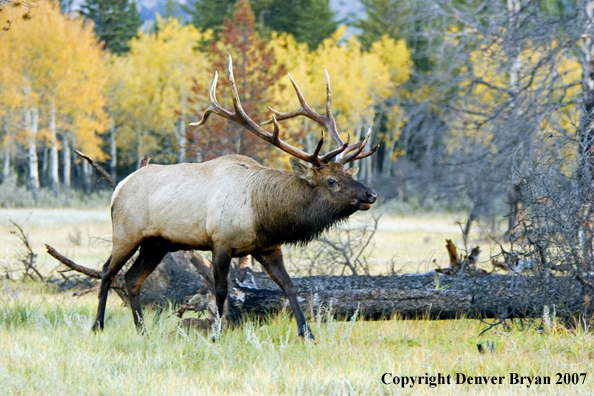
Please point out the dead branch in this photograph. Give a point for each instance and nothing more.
(85, 291)
(461, 263)
(118, 283)
(103, 172)
(144, 162)
(203, 266)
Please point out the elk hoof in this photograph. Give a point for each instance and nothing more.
(97, 327)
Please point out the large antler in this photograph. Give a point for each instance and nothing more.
(326, 121)
(239, 116)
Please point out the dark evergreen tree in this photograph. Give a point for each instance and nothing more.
(172, 9)
(391, 17)
(399, 19)
(210, 14)
(116, 22)
(309, 21)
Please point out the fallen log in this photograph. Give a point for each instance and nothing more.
(432, 296)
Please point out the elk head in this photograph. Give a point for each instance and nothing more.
(333, 183)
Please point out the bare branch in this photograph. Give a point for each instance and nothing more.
(106, 175)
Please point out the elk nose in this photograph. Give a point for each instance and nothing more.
(371, 195)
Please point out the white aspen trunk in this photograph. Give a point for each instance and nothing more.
(180, 131)
(388, 153)
(7, 143)
(391, 144)
(586, 139)
(6, 167)
(514, 194)
(138, 143)
(513, 7)
(44, 163)
(66, 169)
(53, 160)
(32, 124)
(86, 171)
(588, 65)
(112, 150)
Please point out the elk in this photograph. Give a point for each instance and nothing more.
(233, 206)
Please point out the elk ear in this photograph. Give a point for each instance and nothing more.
(304, 172)
(353, 171)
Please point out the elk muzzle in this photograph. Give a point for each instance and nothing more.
(368, 198)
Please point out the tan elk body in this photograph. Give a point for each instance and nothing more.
(232, 206)
(224, 202)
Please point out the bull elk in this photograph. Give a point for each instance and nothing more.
(233, 206)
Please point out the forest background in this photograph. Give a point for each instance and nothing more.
(477, 106)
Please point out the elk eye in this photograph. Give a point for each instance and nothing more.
(331, 181)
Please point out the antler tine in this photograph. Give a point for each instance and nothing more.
(276, 130)
(234, 93)
(326, 121)
(239, 116)
(330, 155)
(304, 110)
(316, 151)
(355, 155)
(215, 107)
(329, 116)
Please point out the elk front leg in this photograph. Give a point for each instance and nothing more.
(275, 268)
(221, 260)
(151, 253)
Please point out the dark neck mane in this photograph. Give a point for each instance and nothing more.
(288, 210)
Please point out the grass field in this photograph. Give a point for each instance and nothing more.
(47, 347)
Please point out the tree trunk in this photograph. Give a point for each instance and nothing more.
(180, 132)
(112, 150)
(86, 171)
(515, 209)
(53, 160)
(32, 124)
(586, 140)
(6, 167)
(433, 296)
(139, 143)
(515, 203)
(66, 166)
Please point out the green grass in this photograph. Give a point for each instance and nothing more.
(48, 348)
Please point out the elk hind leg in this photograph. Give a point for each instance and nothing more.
(152, 251)
(275, 268)
(112, 266)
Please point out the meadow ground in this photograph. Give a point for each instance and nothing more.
(47, 346)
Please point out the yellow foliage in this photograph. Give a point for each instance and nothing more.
(395, 55)
(359, 80)
(55, 61)
(150, 84)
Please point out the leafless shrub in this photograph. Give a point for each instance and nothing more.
(25, 258)
(344, 250)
